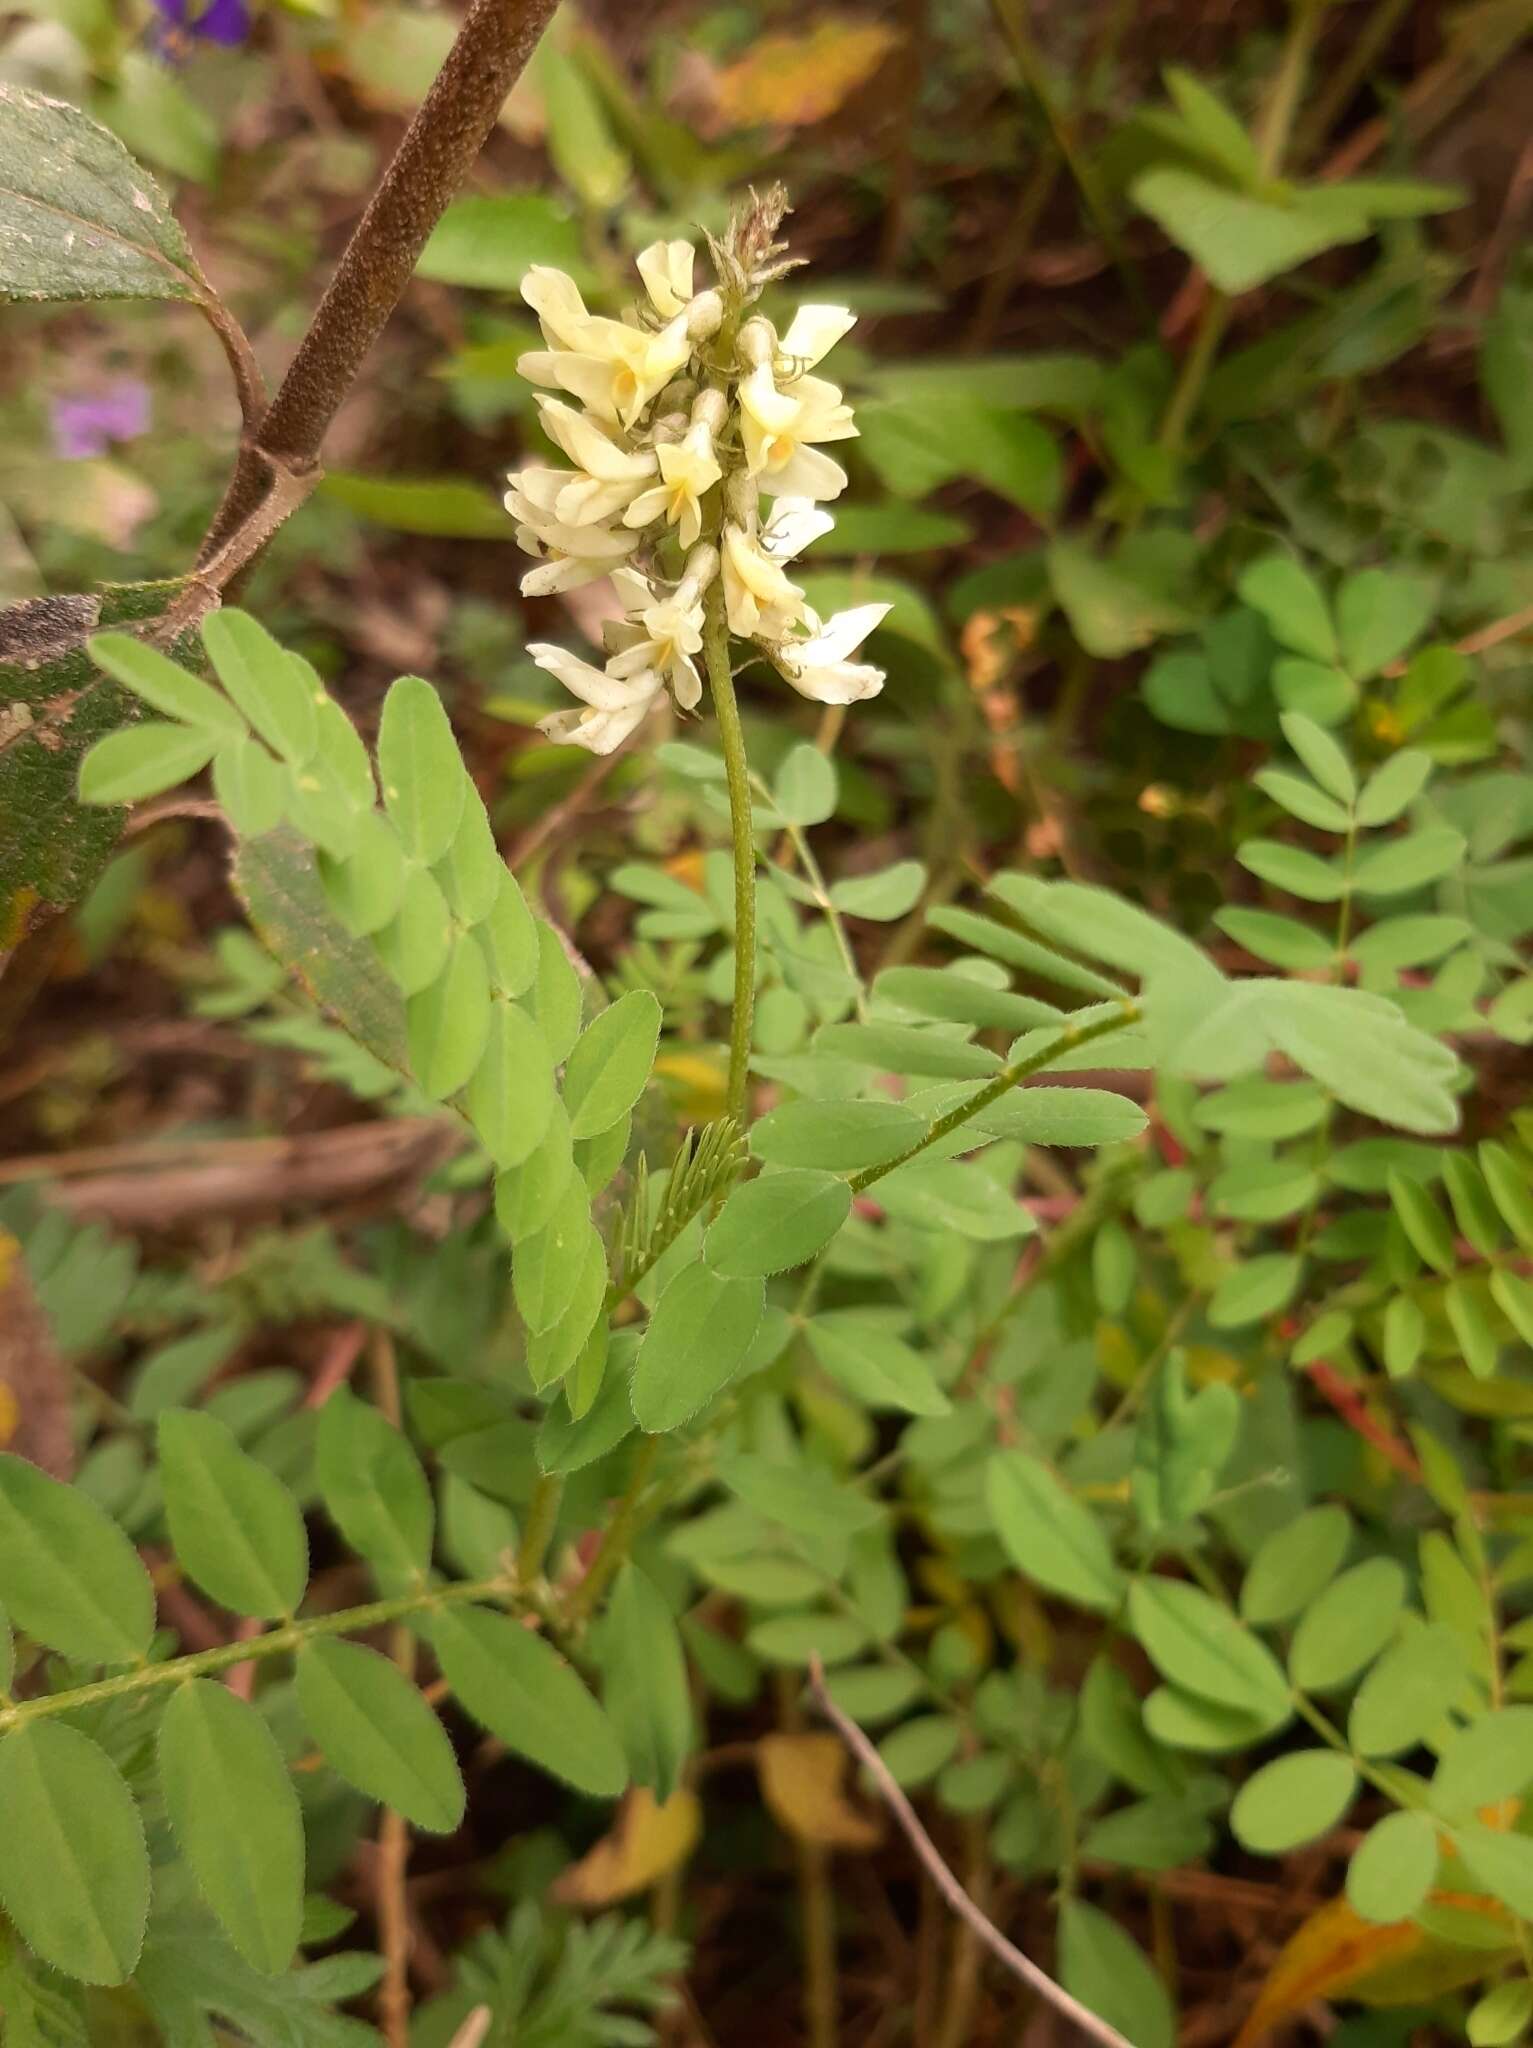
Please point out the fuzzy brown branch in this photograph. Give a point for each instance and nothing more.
(1005, 1952)
(437, 152)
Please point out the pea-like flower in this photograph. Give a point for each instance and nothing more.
(679, 420)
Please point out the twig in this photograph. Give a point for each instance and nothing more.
(1004, 1951)
(439, 148)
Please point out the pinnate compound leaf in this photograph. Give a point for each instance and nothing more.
(697, 1340)
(610, 1064)
(1347, 1625)
(1238, 240)
(378, 1733)
(424, 780)
(519, 1688)
(74, 1871)
(776, 1222)
(874, 1365)
(373, 1486)
(233, 1524)
(838, 1137)
(143, 761)
(1295, 1564)
(79, 219)
(510, 1097)
(1049, 1534)
(235, 1815)
(68, 1574)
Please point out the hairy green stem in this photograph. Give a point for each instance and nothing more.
(737, 771)
(618, 1540)
(203, 1663)
(537, 1532)
(1067, 1040)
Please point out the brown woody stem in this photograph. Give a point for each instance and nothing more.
(438, 150)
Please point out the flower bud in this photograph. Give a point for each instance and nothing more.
(704, 316)
(702, 565)
(710, 409)
(757, 342)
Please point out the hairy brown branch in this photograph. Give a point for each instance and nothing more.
(1004, 1951)
(439, 147)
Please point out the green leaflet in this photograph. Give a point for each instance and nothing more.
(378, 1732)
(68, 1575)
(74, 1871)
(523, 1691)
(235, 1813)
(233, 1523)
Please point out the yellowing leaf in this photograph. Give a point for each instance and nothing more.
(1337, 1953)
(647, 1841)
(792, 81)
(801, 1781)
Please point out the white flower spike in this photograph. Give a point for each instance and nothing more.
(676, 433)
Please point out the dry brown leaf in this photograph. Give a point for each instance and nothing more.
(35, 1419)
(792, 81)
(646, 1841)
(801, 1782)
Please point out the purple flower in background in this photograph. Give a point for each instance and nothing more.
(226, 22)
(88, 425)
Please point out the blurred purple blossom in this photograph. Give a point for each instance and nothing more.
(89, 424)
(226, 22)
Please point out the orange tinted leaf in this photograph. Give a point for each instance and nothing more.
(792, 81)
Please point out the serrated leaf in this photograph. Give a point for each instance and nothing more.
(233, 1524)
(274, 690)
(68, 1574)
(373, 1487)
(424, 780)
(876, 1367)
(696, 1341)
(1050, 1534)
(143, 761)
(776, 1221)
(374, 1728)
(519, 1688)
(74, 1871)
(236, 1818)
(79, 219)
(610, 1064)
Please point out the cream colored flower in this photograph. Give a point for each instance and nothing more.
(575, 553)
(818, 667)
(613, 707)
(616, 370)
(812, 333)
(666, 268)
(760, 601)
(609, 475)
(793, 525)
(672, 631)
(778, 428)
(688, 471)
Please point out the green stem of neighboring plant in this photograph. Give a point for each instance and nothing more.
(737, 772)
(277, 1641)
(538, 1530)
(618, 1540)
(1009, 1078)
(1196, 364)
(814, 875)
